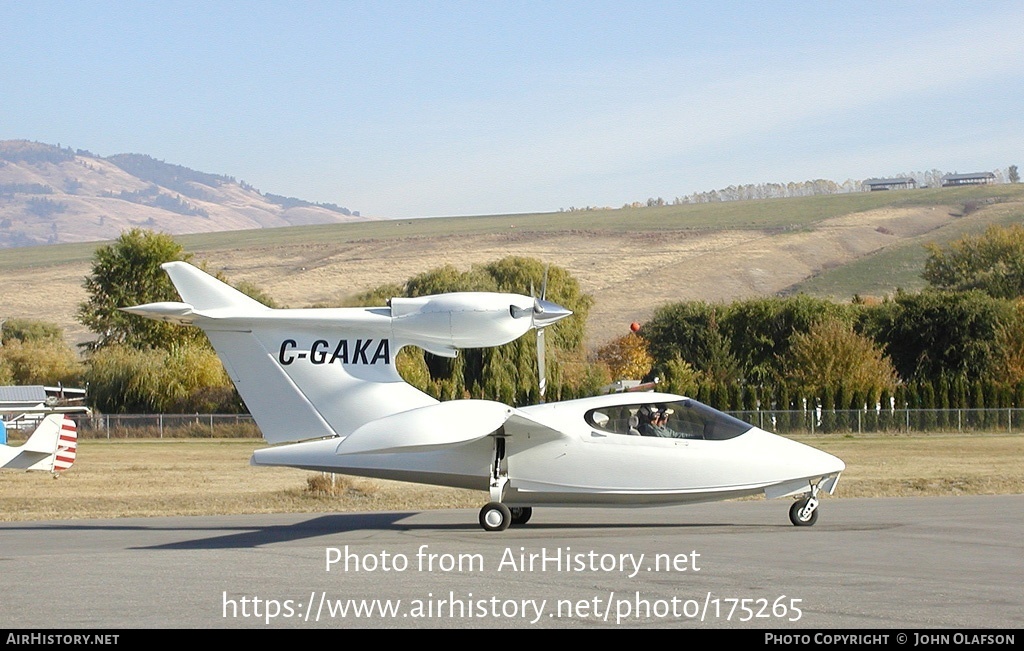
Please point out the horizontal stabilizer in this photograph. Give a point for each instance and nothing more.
(168, 312)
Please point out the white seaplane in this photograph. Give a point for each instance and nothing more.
(322, 386)
(52, 447)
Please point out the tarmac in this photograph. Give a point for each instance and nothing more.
(887, 564)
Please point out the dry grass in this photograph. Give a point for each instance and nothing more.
(188, 477)
(115, 479)
(935, 464)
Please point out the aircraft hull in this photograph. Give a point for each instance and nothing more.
(588, 469)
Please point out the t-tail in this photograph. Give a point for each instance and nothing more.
(52, 447)
(325, 372)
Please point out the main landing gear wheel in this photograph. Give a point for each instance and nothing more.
(495, 516)
(521, 514)
(804, 513)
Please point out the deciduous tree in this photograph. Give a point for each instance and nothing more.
(761, 330)
(187, 378)
(46, 361)
(127, 273)
(627, 357)
(692, 331)
(992, 262)
(931, 333)
(34, 352)
(832, 356)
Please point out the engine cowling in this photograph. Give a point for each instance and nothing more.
(469, 319)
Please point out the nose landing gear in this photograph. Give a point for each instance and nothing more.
(804, 512)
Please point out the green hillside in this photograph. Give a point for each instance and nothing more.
(900, 266)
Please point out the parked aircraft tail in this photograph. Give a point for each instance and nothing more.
(52, 447)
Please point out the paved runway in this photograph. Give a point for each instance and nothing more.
(895, 564)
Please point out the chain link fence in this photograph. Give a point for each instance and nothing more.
(802, 422)
(126, 426)
(882, 421)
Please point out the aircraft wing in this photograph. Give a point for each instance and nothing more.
(444, 424)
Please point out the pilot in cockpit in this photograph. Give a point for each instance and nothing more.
(654, 422)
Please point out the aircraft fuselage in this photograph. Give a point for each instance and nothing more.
(591, 464)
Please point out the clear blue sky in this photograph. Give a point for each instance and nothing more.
(419, 108)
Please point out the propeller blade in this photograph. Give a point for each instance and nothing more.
(541, 371)
(544, 313)
(539, 302)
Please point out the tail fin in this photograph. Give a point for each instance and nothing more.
(204, 292)
(67, 445)
(303, 373)
(51, 447)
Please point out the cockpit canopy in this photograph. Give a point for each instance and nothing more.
(686, 418)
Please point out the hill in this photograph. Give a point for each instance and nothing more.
(52, 195)
(632, 260)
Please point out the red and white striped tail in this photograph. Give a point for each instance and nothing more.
(67, 445)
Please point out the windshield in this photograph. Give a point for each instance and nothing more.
(683, 419)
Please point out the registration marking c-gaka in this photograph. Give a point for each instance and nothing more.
(321, 351)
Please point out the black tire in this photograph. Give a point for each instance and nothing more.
(495, 516)
(794, 514)
(521, 514)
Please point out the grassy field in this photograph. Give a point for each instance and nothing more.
(900, 265)
(766, 214)
(145, 478)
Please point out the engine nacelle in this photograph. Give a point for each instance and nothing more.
(461, 319)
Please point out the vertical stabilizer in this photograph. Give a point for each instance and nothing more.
(204, 292)
(303, 373)
(67, 445)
